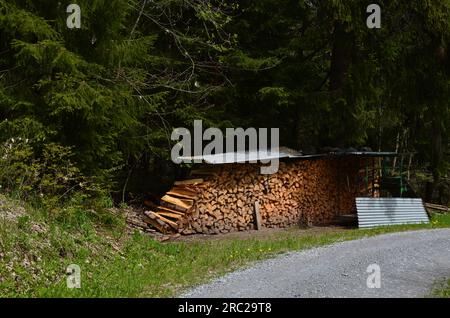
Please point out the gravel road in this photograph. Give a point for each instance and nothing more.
(411, 263)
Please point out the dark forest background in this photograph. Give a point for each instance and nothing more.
(90, 111)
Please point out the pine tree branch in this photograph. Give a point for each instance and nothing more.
(138, 18)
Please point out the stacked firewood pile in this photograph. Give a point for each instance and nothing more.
(175, 207)
(232, 197)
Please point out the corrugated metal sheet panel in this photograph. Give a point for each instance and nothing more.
(374, 212)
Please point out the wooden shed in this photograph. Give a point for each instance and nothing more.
(233, 196)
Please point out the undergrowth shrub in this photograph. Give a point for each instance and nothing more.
(48, 176)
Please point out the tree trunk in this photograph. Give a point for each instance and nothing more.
(340, 63)
(340, 56)
(436, 155)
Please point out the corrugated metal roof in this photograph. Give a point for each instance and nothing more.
(374, 212)
(245, 156)
(283, 152)
(365, 153)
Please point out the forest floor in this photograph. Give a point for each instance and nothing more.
(36, 247)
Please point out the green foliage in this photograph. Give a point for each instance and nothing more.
(109, 91)
(396, 82)
(244, 62)
(23, 23)
(17, 168)
(443, 292)
(113, 90)
(51, 174)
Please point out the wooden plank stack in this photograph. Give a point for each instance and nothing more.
(174, 206)
(222, 199)
(437, 208)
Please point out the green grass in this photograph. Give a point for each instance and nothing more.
(443, 292)
(115, 264)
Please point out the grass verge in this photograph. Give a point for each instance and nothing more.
(443, 292)
(34, 255)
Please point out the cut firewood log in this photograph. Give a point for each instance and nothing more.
(165, 220)
(173, 207)
(187, 190)
(150, 215)
(152, 219)
(183, 203)
(188, 182)
(166, 209)
(180, 194)
(160, 227)
(170, 215)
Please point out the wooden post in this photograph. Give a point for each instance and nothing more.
(373, 177)
(409, 165)
(257, 216)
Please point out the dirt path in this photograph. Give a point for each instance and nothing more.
(410, 264)
(267, 233)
